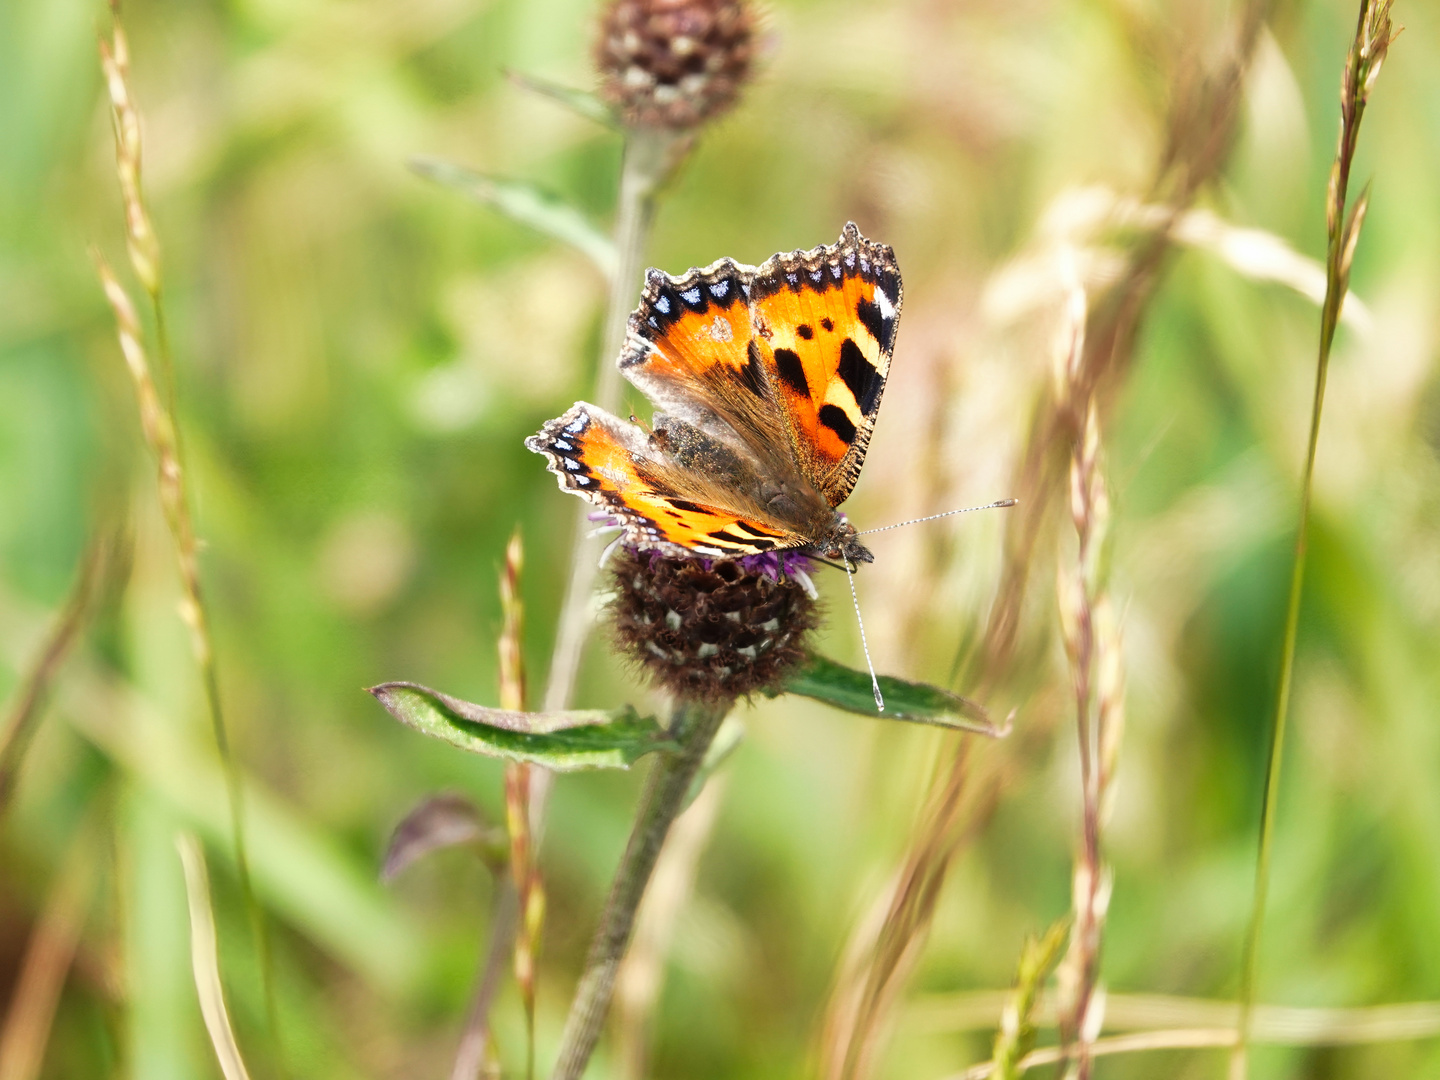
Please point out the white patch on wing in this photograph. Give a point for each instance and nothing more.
(662, 305)
(720, 329)
(883, 302)
(619, 477)
(691, 296)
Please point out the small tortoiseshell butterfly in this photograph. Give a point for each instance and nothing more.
(767, 380)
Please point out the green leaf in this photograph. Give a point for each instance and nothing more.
(920, 703)
(523, 201)
(563, 741)
(581, 102)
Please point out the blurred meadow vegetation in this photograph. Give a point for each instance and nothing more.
(359, 354)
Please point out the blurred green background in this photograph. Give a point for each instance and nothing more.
(360, 354)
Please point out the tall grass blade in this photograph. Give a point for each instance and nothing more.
(1373, 34)
(205, 959)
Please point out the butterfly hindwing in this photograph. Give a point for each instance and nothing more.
(620, 468)
(825, 323)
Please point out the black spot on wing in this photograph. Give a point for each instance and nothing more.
(805, 331)
(684, 504)
(881, 328)
(754, 530)
(787, 362)
(860, 376)
(759, 544)
(827, 323)
(833, 417)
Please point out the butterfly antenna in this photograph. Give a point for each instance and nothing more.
(999, 504)
(864, 645)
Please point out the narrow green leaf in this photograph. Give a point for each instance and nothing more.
(919, 703)
(523, 201)
(563, 741)
(581, 102)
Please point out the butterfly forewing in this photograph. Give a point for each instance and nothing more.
(825, 324)
(688, 350)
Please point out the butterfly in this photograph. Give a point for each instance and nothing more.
(766, 381)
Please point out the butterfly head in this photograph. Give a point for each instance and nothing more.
(843, 543)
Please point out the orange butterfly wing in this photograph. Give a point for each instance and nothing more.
(825, 322)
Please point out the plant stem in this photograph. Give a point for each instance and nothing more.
(693, 726)
(650, 157)
(1367, 53)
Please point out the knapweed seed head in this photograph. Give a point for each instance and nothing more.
(712, 630)
(673, 63)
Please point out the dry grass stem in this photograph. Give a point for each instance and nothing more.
(143, 244)
(519, 908)
(24, 715)
(1092, 644)
(36, 992)
(1093, 648)
(885, 945)
(1280, 1025)
(205, 960)
(1373, 35)
(1188, 1039)
(1200, 129)
(524, 870)
(475, 1045)
(160, 427)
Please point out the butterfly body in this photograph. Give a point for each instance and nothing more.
(767, 381)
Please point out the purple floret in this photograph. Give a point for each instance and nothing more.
(775, 564)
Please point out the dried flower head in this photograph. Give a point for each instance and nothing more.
(673, 63)
(712, 630)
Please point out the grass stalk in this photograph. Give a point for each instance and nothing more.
(205, 960)
(651, 155)
(1278, 1025)
(693, 726)
(161, 429)
(1092, 643)
(1373, 34)
(1200, 129)
(1017, 1021)
(524, 870)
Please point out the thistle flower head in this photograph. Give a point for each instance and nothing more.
(673, 63)
(712, 630)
